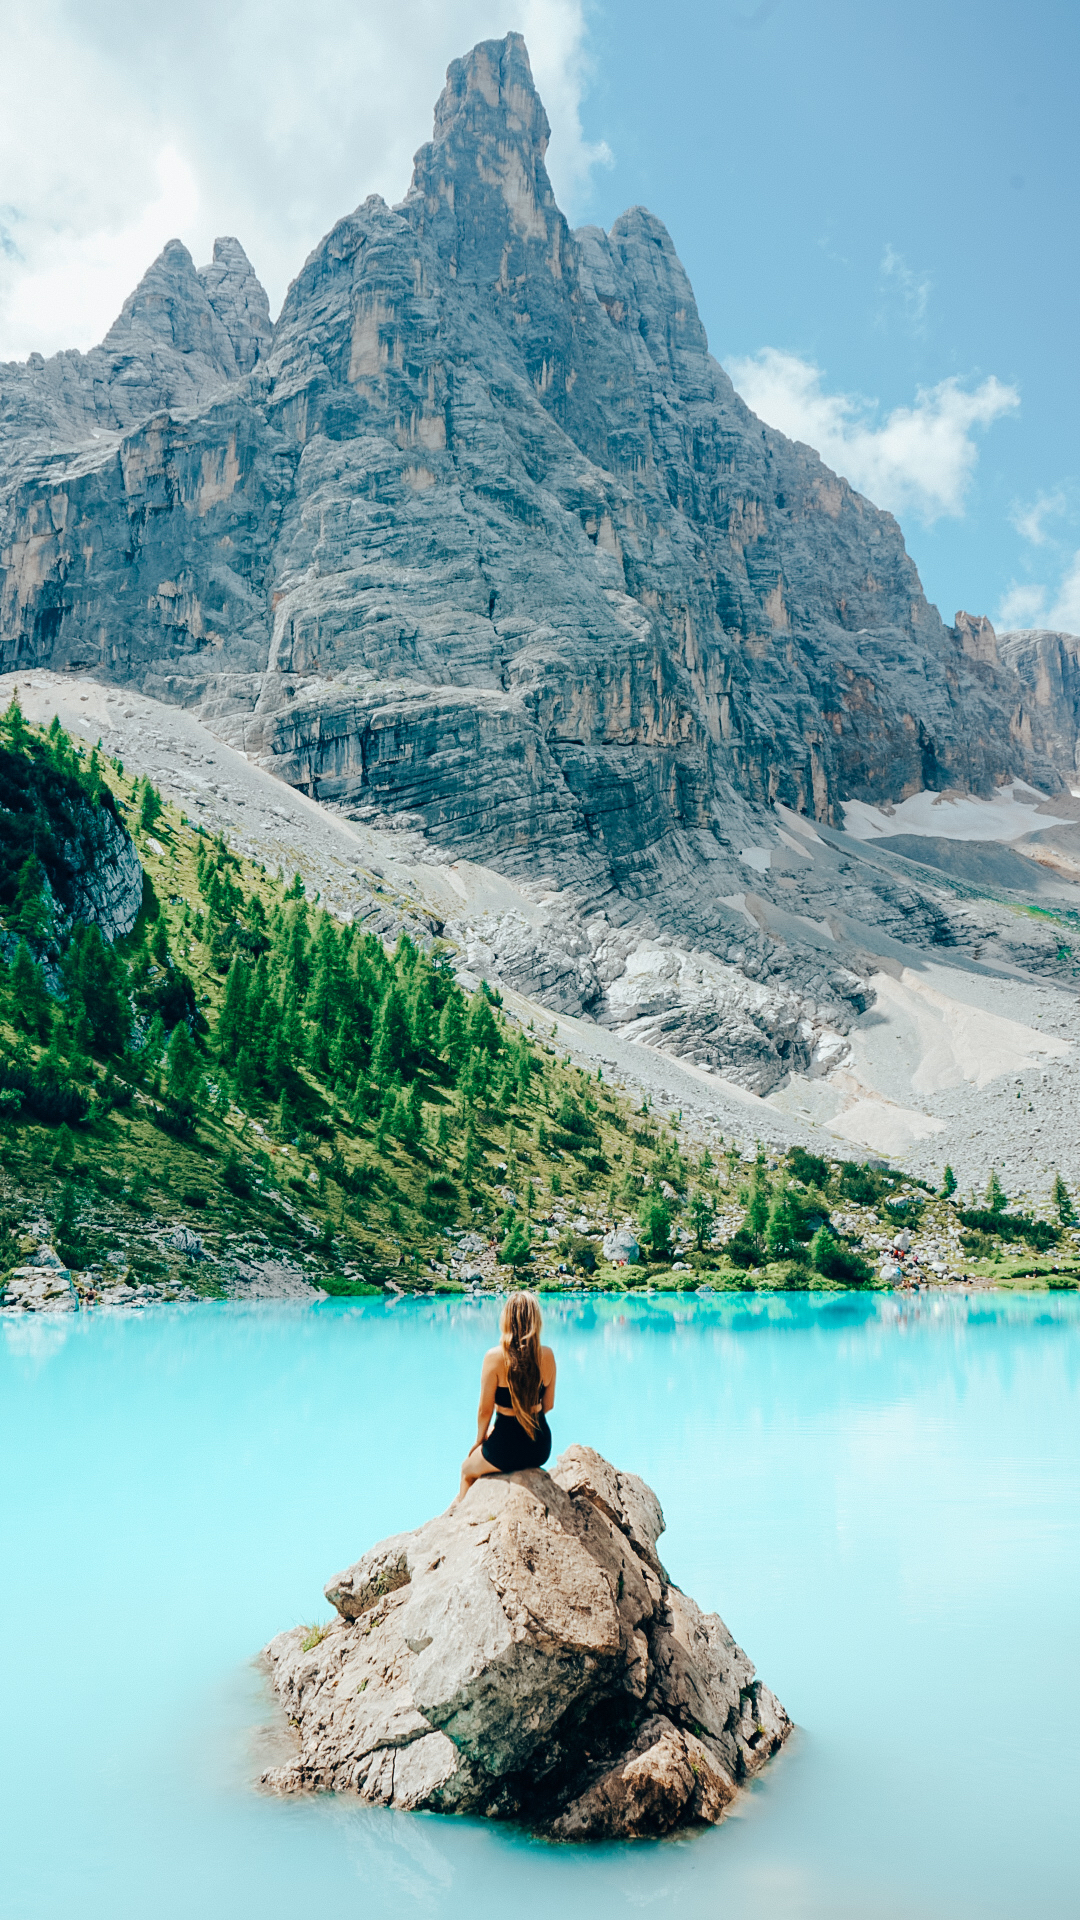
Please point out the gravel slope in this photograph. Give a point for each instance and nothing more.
(956, 1062)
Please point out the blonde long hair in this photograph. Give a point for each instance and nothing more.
(519, 1331)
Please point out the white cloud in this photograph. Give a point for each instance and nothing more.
(122, 125)
(1035, 606)
(919, 459)
(1028, 521)
(1022, 606)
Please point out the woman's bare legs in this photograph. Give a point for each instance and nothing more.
(473, 1468)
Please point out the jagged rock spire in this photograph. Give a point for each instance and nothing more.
(219, 315)
(239, 301)
(169, 308)
(481, 179)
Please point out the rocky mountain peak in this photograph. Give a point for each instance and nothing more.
(169, 309)
(239, 301)
(481, 180)
(977, 638)
(492, 546)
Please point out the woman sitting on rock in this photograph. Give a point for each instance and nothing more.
(517, 1385)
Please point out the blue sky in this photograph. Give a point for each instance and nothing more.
(888, 192)
(876, 204)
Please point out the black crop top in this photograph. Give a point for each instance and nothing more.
(502, 1397)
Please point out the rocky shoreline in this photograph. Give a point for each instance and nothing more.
(526, 1656)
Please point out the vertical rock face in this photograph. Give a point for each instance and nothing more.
(91, 868)
(239, 303)
(977, 638)
(482, 536)
(1047, 665)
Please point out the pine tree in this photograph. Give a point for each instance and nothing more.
(995, 1194)
(422, 1018)
(387, 1119)
(453, 1042)
(31, 1007)
(702, 1215)
(655, 1224)
(150, 807)
(415, 1132)
(183, 1086)
(948, 1185)
(516, 1250)
(232, 1023)
(757, 1212)
(341, 1052)
(782, 1227)
(359, 1102)
(154, 1044)
(14, 726)
(320, 1005)
(297, 971)
(483, 1032)
(1066, 1212)
(391, 1050)
(32, 912)
(98, 978)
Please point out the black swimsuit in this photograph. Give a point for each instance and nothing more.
(508, 1447)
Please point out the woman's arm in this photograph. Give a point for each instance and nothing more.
(489, 1380)
(548, 1400)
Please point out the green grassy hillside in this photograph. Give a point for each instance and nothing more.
(245, 1078)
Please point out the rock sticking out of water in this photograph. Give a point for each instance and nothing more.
(526, 1656)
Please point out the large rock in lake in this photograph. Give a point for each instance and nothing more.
(526, 1656)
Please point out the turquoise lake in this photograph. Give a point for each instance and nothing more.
(881, 1496)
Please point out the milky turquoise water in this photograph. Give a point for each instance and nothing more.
(882, 1498)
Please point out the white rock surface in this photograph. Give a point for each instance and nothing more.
(526, 1656)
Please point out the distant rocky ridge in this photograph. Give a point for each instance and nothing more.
(479, 540)
(1047, 665)
(525, 1656)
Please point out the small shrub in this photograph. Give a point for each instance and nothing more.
(237, 1177)
(442, 1197)
(1038, 1234)
(45, 1091)
(811, 1168)
(861, 1183)
(979, 1245)
(903, 1213)
(194, 1197)
(744, 1249)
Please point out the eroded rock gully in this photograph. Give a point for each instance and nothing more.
(526, 1656)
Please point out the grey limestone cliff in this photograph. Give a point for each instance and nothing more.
(483, 532)
(1047, 665)
(480, 539)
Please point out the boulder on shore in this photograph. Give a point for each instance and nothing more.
(525, 1656)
